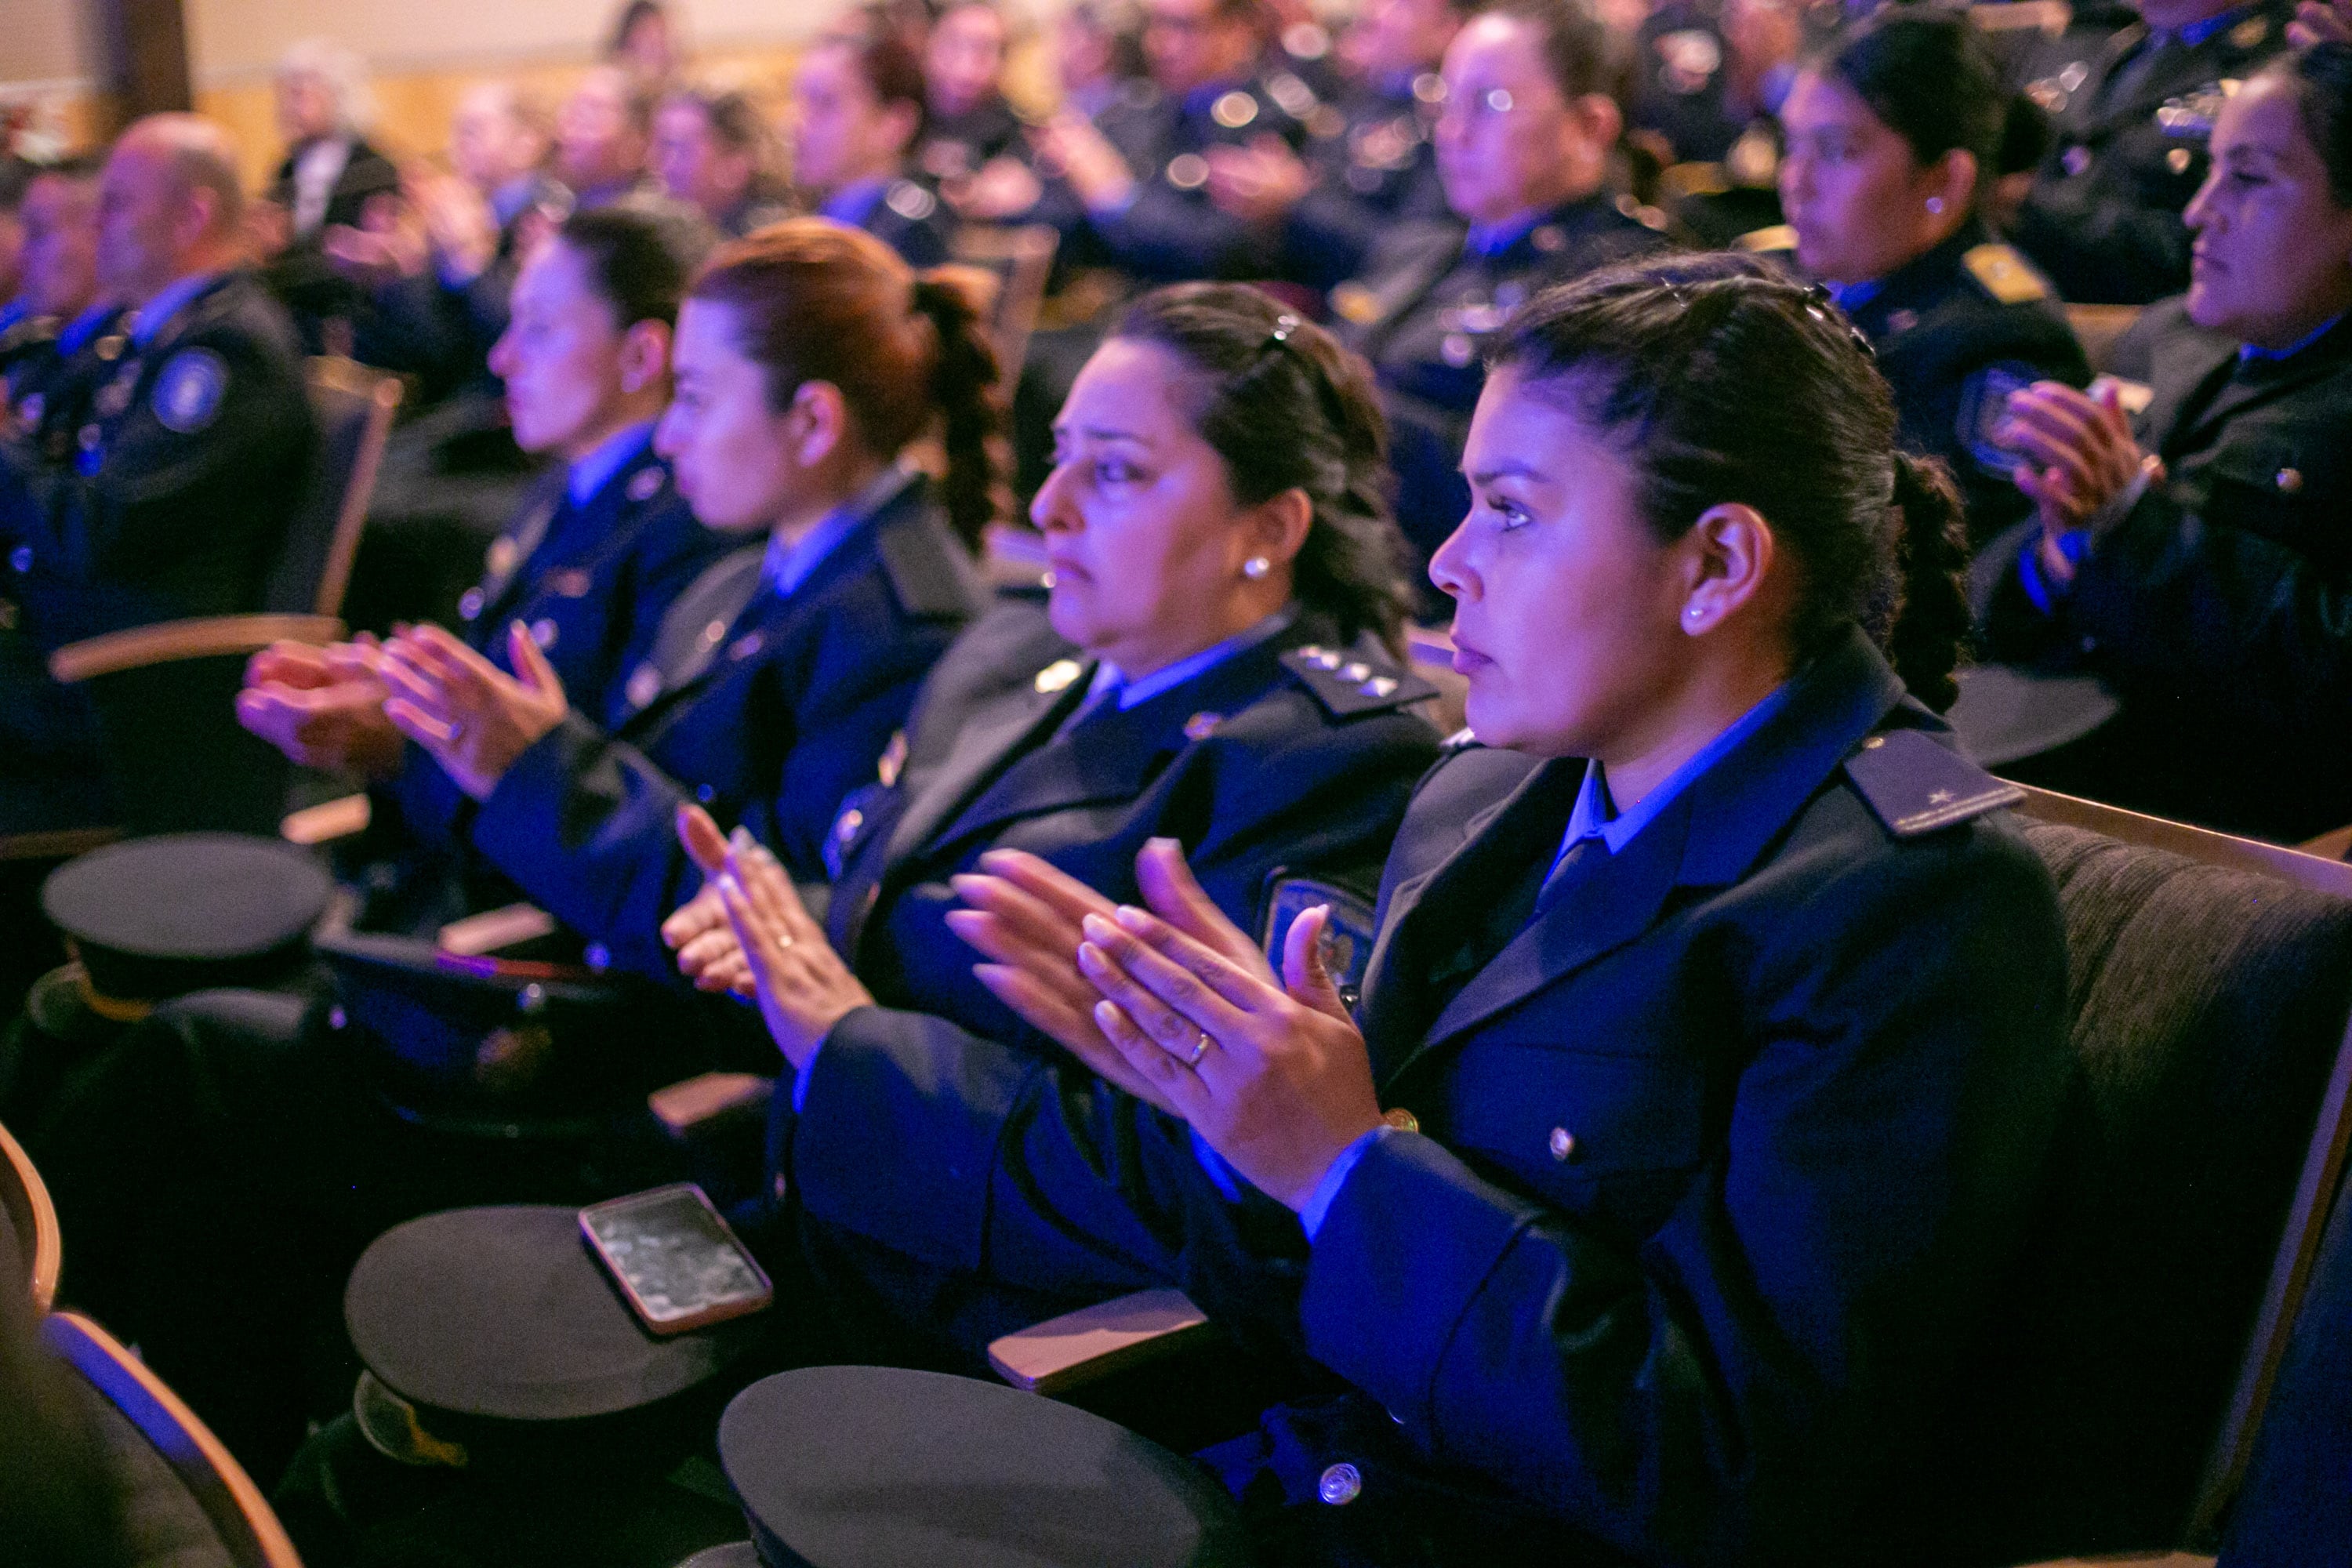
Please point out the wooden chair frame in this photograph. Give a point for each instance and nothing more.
(239, 1514)
(1025, 254)
(26, 1198)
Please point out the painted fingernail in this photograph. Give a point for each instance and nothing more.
(1132, 918)
(1098, 928)
(1091, 957)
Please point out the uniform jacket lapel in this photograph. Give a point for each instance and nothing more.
(1709, 836)
(981, 751)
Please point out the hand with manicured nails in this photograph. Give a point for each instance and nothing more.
(2080, 457)
(470, 716)
(804, 987)
(697, 930)
(1273, 1074)
(323, 707)
(1023, 915)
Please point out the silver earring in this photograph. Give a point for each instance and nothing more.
(1256, 567)
(1691, 614)
(1936, 205)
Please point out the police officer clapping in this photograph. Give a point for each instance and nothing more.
(1524, 147)
(1654, 1191)
(1891, 136)
(2196, 562)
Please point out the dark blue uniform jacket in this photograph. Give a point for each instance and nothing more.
(1720, 1157)
(1265, 762)
(769, 723)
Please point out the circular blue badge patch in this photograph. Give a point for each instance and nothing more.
(188, 390)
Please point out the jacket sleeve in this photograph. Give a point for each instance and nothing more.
(1030, 1170)
(584, 823)
(2172, 595)
(1732, 1380)
(1166, 235)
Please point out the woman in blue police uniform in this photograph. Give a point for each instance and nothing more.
(2199, 563)
(1714, 1031)
(1522, 148)
(2133, 128)
(857, 113)
(601, 547)
(806, 360)
(1892, 137)
(1220, 670)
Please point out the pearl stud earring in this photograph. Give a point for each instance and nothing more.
(1256, 567)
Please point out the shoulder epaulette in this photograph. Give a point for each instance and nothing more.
(924, 571)
(1915, 785)
(2004, 274)
(1462, 740)
(1348, 683)
(1779, 237)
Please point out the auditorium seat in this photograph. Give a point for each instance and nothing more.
(164, 693)
(2112, 1409)
(186, 1501)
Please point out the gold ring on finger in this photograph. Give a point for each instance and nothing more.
(1200, 1049)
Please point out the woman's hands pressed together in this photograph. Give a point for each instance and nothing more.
(323, 707)
(804, 987)
(697, 930)
(2080, 458)
(470, 716)
(1272, 1072)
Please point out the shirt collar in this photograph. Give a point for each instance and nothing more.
(852, 202)
(150, 320)
(2249, 352)
(509, 200)
(594, 472)
(2196, 33)
(787, 566)
(1596, 813)
(1853, 297)
(83, 328)
(1491, 239)
(1170, 677)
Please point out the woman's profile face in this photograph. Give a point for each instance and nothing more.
(1566, 608)
(726, 446)
(1850, 186)
(2272, 260)
(560, 355)
(840, 130)
(1142, 529)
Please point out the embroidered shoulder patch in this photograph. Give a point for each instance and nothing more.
(189, 390)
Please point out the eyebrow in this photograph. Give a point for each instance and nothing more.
(1099, 433)
(1505, 470)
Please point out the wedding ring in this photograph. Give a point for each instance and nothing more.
(1199, 1050)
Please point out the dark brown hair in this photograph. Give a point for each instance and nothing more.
(1288, 408)
(1721, 381)
(815, 301)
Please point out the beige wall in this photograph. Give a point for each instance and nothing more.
(423, 53)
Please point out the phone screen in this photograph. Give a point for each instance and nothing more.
(676, 1256)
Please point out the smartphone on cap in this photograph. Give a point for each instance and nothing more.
(675, 1258)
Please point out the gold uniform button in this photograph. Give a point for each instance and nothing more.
(851, 821)
(2176, 160)
(1563, 1144)
(1400, 1119)
(2290, 480)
